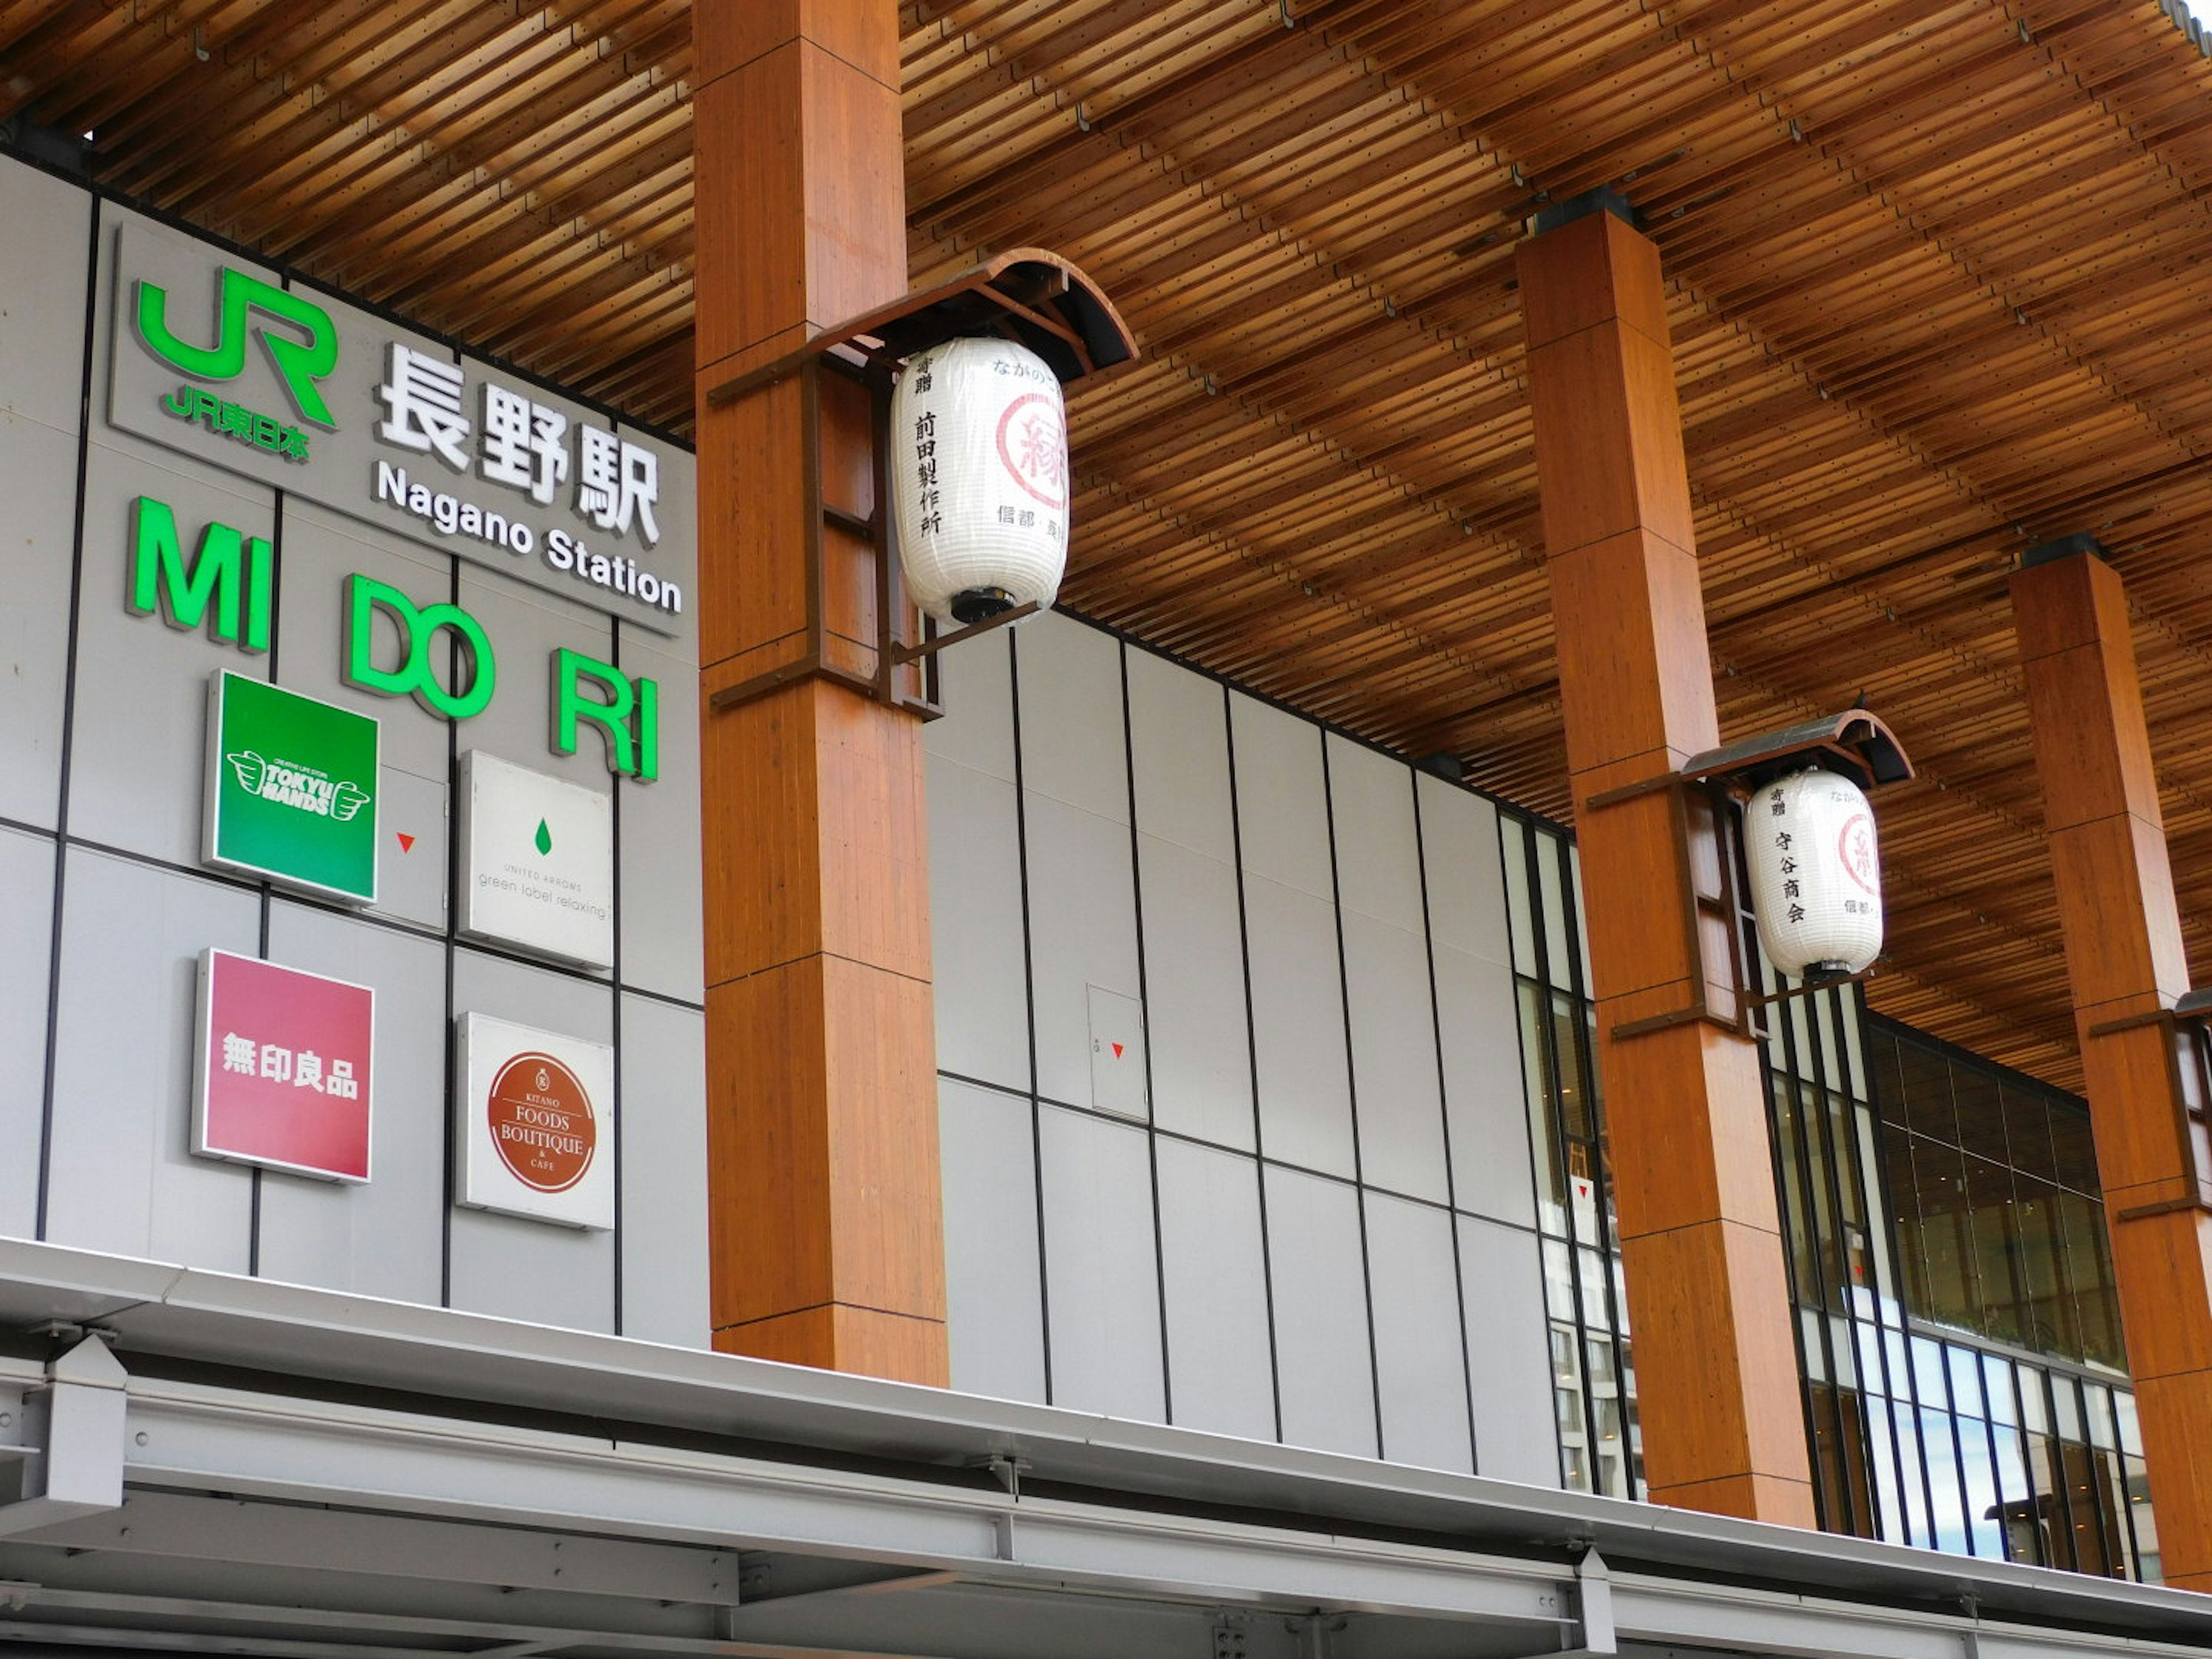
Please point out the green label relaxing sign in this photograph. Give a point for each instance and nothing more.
(291, 788)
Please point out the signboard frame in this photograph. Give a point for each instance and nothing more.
(213, 790)
(204, 1058)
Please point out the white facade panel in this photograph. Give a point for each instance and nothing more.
(1485, 1103)
(657, 834)
(1214, 1270)
(995, 1299)
(40, 545)
(1073, 745)
(120, 1173)
(1466, 879)
(1508, 1353)
(44, 267)
(27, 917)
(975, 680)
(1179, 749)
(1297, 1027)
(1102, 1265)
(978, 971)
(384, 1236)
(1394, 1058)
(1418, 1362)
(1194, 977)
(1083, 933)
(1378, 851)
(1324, 1372)
(502, 1264)
(665, 1263)
(1282, 798)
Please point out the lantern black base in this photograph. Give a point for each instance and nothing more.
(981, 604)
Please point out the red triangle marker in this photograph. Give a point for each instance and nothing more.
(1117, 1051)
(406, 841)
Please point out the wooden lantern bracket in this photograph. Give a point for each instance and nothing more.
(2188, 1036)
(1708, 791)
(1026, 294)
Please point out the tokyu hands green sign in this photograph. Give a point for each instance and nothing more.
(291, 788)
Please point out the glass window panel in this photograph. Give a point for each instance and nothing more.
(2066, 1408)
(1989, 1190)
(1905, 1427)
(2028, 1132)
(1811, 1328)
(1574, 1093)
(2097, 1405)
(1832, 1058)
(1796, 1206)
(1940, 1454)
(2018, 1517)
(1977, 1477)
(1557, 969)
(1543, 1138)
(1513, 838)
(1885, 1087)
(1924, 1079)
(1885, 1287)
(2089, 1266)
(1856, 1042)
(2073, 1152)
(1980, 1108)
(2123, 1407)
(1582, 923)
(1882, 1459)
(1843, 1339)
(1964, 1367)
(2148, 1566)
(1996, 1389)
(2034, 1402)
(1559, 1280)
(2049, 1320)
(1943, 1213)
(1928, 1381)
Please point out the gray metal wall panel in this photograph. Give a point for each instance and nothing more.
(1220, 1362)
(39, 543)
(137, 755)
(321, 549)
(1297, 1026)
(1466, 877)
(1419, 1360)
(1508, 1353)
(1082, 932)
(388, 1238)
(121, 1174)
(665, 1261)
(1179, 752)
(993, 1300)
(1394, 1058)
(663, 925)
(1485, 1109)
(1102, 1265)
(1282, 802)
(1072, 747)
(1194, 983)
(527, 625)
(1323, 1372)
(43, 273)
(976, 925)
(26, 920)
(502, 1264)
(1378, 853)
(977, 729)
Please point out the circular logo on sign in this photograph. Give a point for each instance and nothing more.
(541, 1121)
(1855, 847)
(1033, 447)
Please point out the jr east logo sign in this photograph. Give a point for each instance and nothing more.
(228, 365)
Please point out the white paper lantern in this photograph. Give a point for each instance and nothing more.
(979, 478)
(1815, 874)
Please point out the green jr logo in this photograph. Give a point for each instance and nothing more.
(246, 305)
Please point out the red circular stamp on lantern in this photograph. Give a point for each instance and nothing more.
(1033, 447)
(541, 1120)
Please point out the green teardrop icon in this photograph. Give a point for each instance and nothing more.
(545, 837)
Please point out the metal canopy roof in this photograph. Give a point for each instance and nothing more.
(310, 1472)
(1936, 297)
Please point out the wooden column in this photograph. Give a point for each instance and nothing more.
(1686, 1099)
(2124, 961)
(828, 1234)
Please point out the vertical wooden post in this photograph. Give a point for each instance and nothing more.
(1708, 1297)
(2124, 960)
(827, 1233)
